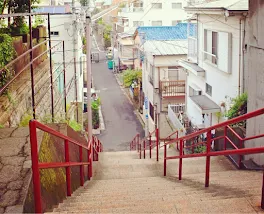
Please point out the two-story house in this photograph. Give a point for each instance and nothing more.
(159, 50)
(215, 60)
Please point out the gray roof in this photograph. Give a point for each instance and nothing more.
(205, 104)
(160, 48)
(231, 5)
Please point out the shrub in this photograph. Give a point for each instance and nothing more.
(131, 75)
(95, 114)
(7, 51)
(239, 106)
(200, 149)
(25, 120)
(75, 125)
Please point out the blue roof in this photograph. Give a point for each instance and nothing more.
(177, 32)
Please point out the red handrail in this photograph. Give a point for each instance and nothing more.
(91, 148)
(137, 145)
(208, 153)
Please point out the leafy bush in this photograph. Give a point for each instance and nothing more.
(75, 125)
(25, 120)
(7, 51)
(39, 20)
(95, 113)
(200, 149)
(131, 75)
(239, 106)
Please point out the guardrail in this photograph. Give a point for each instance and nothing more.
(93, 148)
(208, 141)
(142, 146)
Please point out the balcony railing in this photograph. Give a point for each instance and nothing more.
(192, 49)
(172, 88)
(175, 116)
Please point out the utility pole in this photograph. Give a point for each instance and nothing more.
(89, 73)
(75, 41)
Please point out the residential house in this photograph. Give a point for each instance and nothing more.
(125, 46)
(254, 49)
(215, 60)
(159, 50)
(153, 13)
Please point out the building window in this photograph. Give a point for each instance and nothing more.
(156, 23)
(151, 111)
(208, 89)
(173, 73)
(176, 5)
(151, 74)
(54, 33)
(218, 49)
(194, 92)
(210, 46)
(138, 23)
(156, 5)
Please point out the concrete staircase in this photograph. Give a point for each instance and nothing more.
(123, 183)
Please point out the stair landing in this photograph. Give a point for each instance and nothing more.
(123, 183)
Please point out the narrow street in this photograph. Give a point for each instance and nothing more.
(121, 123)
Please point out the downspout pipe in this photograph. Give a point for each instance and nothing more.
(197, 38)
(240, 56)
(243, 55)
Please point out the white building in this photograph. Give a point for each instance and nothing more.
(153, 13)
(163, 80)
(63, 29)
(215, 60)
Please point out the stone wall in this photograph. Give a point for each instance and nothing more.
(17, 103)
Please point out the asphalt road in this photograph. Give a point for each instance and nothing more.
(121, 123)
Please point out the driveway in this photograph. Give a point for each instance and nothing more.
(121, 123)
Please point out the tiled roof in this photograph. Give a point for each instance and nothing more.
(177, 32)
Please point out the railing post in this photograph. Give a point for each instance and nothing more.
(137, 141)
(68, 169)
(208, 149)
(139, 151)
(144, 152)
(90, 152)
(150, 146)
(165, 160)
(81, 167)
(157, 143)
(240, 165)
(35, 166)
(225, 135)
(180, 161)
(262, 196)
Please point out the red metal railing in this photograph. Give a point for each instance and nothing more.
(143, 146)
(94, 147)
(209, 139)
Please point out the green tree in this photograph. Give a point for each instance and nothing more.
(17, 6)
(84, 2)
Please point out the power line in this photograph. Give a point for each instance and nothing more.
(211, 17)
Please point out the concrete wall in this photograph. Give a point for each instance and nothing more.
(225, 86)
(255, 54)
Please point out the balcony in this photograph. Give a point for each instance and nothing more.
(175, 88)
(192, 49)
